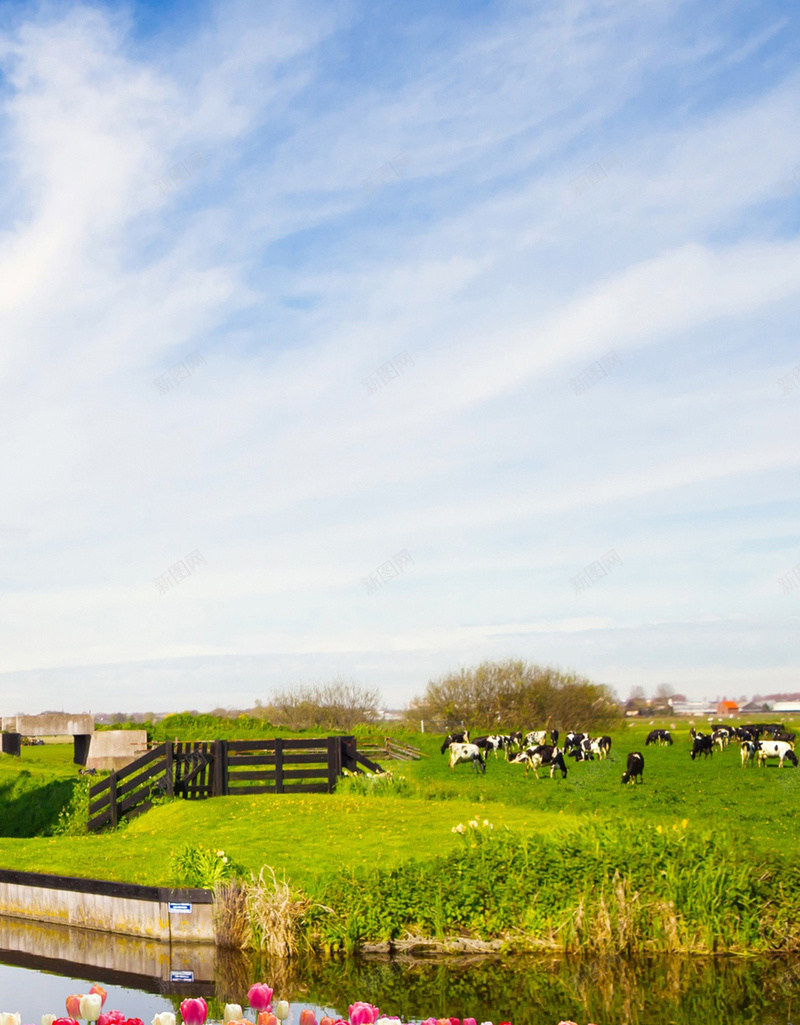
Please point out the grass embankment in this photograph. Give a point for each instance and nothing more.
(584, 863)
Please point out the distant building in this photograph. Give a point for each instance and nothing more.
(728, 708)
(786, 706)
(693, 708)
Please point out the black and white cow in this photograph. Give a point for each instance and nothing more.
(496, 742)
(600, 746)
(749, 751)
(775, 749)
(720, 737)
(534, 738)
(574, 739)
(635, 768)
(658, 737)
(542, 754)
(460, 737)
(702, 745)
(467, 753)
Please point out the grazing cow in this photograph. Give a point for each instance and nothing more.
(720, 737)
(534, 738)
(497, 742)
(467, 753)
(600, 746)
(515, 740)
(573, 739)
(788, 737)
(775, 749)
(749, 750)
(542, 754)
(635, 768)
(702, 746)
(658, 737)
(461, 737)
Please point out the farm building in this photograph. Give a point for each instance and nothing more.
(727, 708)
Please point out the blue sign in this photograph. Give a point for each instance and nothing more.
(181, 976)
(180, 909)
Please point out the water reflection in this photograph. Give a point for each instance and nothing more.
(40, 965)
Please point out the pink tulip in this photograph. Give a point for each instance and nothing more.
(259, 996)
(194, 1011)
(308, 1018)
(74, 1005)
(469, 1021)
(364, 1014)
(111, 1018)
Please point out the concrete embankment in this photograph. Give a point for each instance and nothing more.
(158, 913)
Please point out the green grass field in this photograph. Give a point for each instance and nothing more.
(309, 836)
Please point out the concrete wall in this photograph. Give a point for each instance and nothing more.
(50, 724)
(120, 908)
(114, 749)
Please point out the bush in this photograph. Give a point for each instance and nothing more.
(203, 867)
(514, 695)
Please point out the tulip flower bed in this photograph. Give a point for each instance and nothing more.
(194, 1011)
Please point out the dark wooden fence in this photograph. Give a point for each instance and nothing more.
(201, 769)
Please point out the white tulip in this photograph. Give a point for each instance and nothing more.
(91, 1006)
(48, 1019)
(281, 1010)
(164, 1018)
(7, 1018)
(232, 1012)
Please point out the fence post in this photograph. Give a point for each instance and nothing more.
(220, 767)
(334, 762)
(168, 777)
(279, 765)
(112, 798)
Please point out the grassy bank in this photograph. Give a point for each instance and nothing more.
(719, 869)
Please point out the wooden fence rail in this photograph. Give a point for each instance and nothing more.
(200, 769)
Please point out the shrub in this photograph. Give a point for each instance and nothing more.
(194, 865)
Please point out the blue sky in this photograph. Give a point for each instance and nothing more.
(290, 290)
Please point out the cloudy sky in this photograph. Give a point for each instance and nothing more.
(377, 339)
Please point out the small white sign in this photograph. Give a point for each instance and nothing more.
(181, 976)
(180, 909)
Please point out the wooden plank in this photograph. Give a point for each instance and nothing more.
(234, 760)
(307, 788)
(279, 745)
(98, 788)
(251, 745)
(113, 799)
(103, 802)
(136, 781)
(142, 760)
(302, 745)
(105, 887)
(246, 791)
(235, 777)
(169, 757)
(320, 774)
(133, 799)
(99, 821)
(307, 759)
(368, 763)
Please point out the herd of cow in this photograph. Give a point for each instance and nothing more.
(759, 742)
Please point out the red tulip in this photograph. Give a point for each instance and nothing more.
(308, 1018)
(194, 1011)
(65, 1021)
(364, 1014)
(97, 988)
(259, 996)
(455, 1021)
(134, 1021)
(74, 1005)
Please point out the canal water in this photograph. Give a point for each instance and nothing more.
(41, 965)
